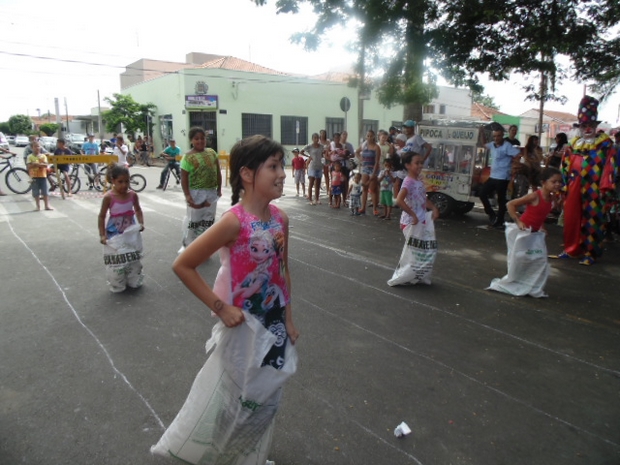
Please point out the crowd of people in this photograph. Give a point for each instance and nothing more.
(362, 178)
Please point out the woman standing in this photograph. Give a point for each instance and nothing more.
(315, 168)
(201, 180)
(325, 142)
(555, 156)
(370, 155)
(527, 169)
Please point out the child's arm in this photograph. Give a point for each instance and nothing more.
(382, 175)
(291, 330)
(219, 178)
(223, 233)
(516, 203)
(138, 209)
(431, 206)
(105, 206)
(400, 201)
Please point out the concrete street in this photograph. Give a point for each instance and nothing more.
(481, 378)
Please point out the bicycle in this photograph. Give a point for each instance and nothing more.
(137, 182)
(73, 177)
(17, 178)
(167, 177)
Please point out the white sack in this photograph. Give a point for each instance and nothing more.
(419, 253)
(528, 267)
(121, 256)
(229, 413)
(198, 220)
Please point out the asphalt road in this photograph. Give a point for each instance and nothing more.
(90, 377)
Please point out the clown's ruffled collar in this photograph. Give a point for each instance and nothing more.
(580, 144)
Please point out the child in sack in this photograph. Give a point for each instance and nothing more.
(253, 283)
(420, 249)
(124, 207)
(528, 268)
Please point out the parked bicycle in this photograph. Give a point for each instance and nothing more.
(17, 178)
(137, 182)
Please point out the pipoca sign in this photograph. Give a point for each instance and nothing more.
(457, 134)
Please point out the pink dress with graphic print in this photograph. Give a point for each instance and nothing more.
(252, 275)
(122, 214)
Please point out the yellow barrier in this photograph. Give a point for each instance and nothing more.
(71, 159)
(224, 158)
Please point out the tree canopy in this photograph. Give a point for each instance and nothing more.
(461, 39)
(20, 124)
(125, 111)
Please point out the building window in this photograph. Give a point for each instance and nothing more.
(333, 125)
(442, 109)
(428, 109)
(252, 124)
(369, 124)
(288, 128)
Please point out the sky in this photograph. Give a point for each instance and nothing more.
(75, 51)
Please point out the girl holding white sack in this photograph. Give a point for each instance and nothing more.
(201, 180)
(420, 249)
(528, 268)
(229, 414)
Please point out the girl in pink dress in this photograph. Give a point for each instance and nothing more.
(252, 240)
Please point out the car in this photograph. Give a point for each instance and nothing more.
(21, 141)
(11, 140)
(4, 143)
(75, 141)
(48, 143)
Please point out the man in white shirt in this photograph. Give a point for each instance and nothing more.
(415, 142)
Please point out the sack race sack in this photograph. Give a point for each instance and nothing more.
(229, 413)
(528, 267)
(198, 220)
(121, 256)
(419, 253)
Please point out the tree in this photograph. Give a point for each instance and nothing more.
(48, 128)
(530, 37)
(20, 124)
(5, 128)
(125, 111)
(464, 38)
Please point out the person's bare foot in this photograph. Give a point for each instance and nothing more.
(48, 208)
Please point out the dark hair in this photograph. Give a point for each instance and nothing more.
(531, 145)
(250, 153)
(62, 141)
(548, 172)
(406, 157)
(563, 140)
(196, 130)
(336, 134)
(115, 171)
(513, 126)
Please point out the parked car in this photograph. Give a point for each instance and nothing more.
(21, 141)
(4, 143)
(48, 143)
(11, 140)
(75, 141)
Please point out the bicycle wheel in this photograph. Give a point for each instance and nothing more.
(137, 182)
(100, 182)
(131, 159)
(18, 180)
(166, 179)
(75, 184)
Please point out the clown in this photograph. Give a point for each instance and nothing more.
(589, 168)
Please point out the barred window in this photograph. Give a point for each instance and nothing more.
(369, 124)
(428, 109)
(252, 124)
(442, 109)
(333, 125)
(288, 128)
